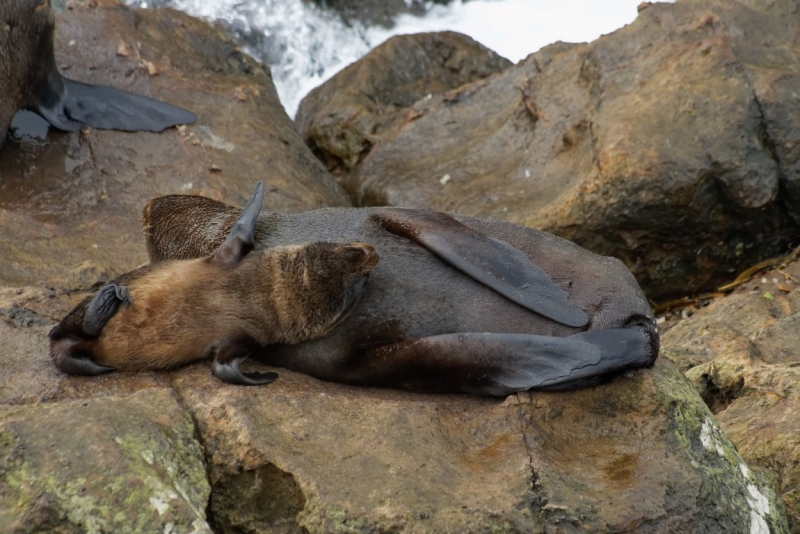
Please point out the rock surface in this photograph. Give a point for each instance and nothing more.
(741, 353)
(670, 143)
(342, 119)
(371, 12)
(59, 199)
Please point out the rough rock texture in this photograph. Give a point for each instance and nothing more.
(742, 355)
(102, 465)
(58, 200)
(342, 119)
(372, 12)
(670, 143)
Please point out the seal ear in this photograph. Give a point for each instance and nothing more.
(241, 240)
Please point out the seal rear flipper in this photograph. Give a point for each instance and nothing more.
(501, 364)
(70, 106)
(241, 240)
(495, 263)
(228, 355)
(103, 307)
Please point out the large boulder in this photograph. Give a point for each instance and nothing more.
(78, 196)
(741, 352)
(343, 118)
(670, 143)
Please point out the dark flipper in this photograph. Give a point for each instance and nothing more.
(500, 266)
(103, 307)
(241, 240)
(70, 105)
(228, 354)
(500, 364)
(73, 365)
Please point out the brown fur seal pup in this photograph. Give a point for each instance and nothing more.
(30, 79)
(223, 306)
(456, 303)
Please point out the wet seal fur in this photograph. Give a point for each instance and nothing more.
(224, 306)
(29, 78)
(457, 304)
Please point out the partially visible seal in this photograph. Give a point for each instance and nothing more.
(457, 304)
(30, 79)
(224, 306)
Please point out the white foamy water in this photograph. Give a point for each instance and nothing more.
(305, 45)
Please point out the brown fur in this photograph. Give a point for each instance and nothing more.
(180, 309)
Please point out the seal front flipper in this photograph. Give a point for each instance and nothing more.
(500, 364)
(70, 106)
(495, 263)
(241, 241)
(103, 307)
(70, 339)
(228, 354)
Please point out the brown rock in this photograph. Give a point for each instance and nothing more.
(101, 465)
(741, 353)
(78, 197)
(642, 453)
(342, 119)
(670, 143)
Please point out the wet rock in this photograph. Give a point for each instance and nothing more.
(741, 354)
(373, 12)
(640, 453)
(342, 119)
(78, 197)
(670, 143)
(102, 465)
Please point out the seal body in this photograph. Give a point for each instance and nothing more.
(223, 306)
(429, 319)
(29, 78)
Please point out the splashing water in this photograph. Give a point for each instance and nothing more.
(304, 45)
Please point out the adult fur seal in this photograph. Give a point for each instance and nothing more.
(456, 303)
(223, 306)
(30, 79)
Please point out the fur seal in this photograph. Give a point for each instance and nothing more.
(224, 306)
(29, 78)
(457, 304)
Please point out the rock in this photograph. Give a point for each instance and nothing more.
(324, 457)
(78, 197)
(373, 12)
(670, 143)
(102, 465)
(342, 119)
(741, 354)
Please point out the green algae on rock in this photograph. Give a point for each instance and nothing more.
(102, 465)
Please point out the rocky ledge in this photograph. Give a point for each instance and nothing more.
(182, 452)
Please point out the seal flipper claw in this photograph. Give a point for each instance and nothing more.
(103, 307)
(241, 240)
(501, 364)
(229, 354)
(70, 106)
(493, 262)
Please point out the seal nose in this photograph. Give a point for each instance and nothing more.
(362, 257)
